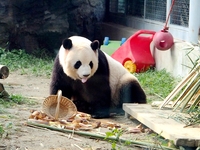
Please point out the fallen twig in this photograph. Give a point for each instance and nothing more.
(77, 146)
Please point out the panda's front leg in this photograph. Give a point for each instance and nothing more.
(100, 108)
(97, 93)
(96, 108)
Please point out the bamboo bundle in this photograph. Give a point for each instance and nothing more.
(186, 95)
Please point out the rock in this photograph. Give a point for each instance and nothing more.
(42, 24)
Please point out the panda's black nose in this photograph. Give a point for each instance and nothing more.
(86, 75)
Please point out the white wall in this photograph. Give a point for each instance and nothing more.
(175, 60)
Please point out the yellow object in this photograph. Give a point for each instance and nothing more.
(130, 66)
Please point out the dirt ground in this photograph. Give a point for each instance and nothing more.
(22, 137)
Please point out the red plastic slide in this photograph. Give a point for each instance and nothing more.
(135, 54)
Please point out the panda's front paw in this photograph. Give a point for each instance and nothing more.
(100, 115)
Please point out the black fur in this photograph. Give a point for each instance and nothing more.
(92, 97)
(95, 45)
(67, 44)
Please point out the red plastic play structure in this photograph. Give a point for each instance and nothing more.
(135, 54)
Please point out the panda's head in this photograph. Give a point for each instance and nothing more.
(78, 57)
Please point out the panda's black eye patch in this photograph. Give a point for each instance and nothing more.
(77, 64)
(91, 64)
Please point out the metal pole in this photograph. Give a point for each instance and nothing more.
(194, 22)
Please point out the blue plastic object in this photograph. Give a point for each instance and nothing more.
(122, 41)
(106, 40)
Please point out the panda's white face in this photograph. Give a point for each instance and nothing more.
(79, 62)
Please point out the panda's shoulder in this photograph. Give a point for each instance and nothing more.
(58, 70)
(103, 66)
(112, 62)
(102, 55)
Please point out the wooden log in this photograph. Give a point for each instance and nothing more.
(1, 87)
(3, 94)
(4, 71)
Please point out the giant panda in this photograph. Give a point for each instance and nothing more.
(94, 81)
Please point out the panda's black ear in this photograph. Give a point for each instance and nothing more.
(95, 45)
(67, 43)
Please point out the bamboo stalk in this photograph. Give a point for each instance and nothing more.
(176, 90)
(196, 101)
(188, 96)
(194, 74)
(186, 89)
(31, 124)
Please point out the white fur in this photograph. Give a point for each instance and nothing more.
(82, 51)
(118, 76)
